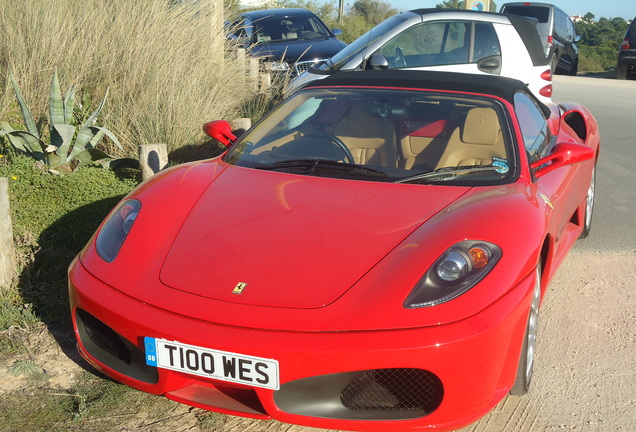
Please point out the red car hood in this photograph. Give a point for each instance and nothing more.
(294, 241)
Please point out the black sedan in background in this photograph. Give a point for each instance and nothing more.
(626, 66)
(293, 39)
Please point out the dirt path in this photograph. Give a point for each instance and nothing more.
(585, 371)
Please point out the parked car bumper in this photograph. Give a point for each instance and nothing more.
(627, 59)
(467, 366)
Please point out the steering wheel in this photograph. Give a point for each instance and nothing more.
(336, 142)
(400, 60)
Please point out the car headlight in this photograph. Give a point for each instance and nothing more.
(115, 230)
(278, 66)
(459, 269)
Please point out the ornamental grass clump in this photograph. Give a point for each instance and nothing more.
(166, 65)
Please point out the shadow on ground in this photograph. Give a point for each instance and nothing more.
(43, 283)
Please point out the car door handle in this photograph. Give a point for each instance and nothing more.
(489, 64)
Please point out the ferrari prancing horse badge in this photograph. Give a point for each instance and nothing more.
(238, 289)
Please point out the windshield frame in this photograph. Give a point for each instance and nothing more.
(269, 139)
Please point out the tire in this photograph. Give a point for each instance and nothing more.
(589, 206)
(575, 68)
(526, 360)
(621, 72)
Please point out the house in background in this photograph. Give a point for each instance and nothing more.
(258, 4)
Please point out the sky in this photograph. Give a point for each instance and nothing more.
(600, 8)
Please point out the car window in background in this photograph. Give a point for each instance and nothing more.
(360, 44)
(486, 42)
(440, 43)
(428, 44)
(561, 25)
(540, 13)
(535, 131)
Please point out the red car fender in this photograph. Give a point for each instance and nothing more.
(181, 187)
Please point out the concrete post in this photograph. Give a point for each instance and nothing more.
(254, 73)
(240, 125)
(152, 159)
(214, 10)
(242, 63)
(8, 266)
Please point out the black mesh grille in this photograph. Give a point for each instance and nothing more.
(394, 389)
(103, 336)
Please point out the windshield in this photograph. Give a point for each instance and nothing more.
(383, 135)
(360, 44)
(541, 13)
(285, 28)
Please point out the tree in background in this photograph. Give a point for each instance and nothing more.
(589, 17)
(451, 4)
(372, 11)
(599, 42)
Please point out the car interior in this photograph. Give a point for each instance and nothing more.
(387, 133)
(277, 29)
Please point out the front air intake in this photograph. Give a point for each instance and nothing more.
(400, 389)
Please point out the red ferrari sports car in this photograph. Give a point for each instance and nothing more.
(371, 255)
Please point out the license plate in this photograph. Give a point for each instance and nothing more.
(214, 364)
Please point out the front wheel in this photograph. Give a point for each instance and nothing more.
(526, 360)
(589, 206)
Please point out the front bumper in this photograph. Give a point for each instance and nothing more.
(442, 377)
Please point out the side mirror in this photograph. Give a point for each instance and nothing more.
(378, 62)
(220, 130)
(566, 153)
(336, 31)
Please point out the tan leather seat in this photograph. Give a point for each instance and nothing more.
(476, 142)
(422, 148)
(371, 139)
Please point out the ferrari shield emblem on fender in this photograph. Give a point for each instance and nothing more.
(238, 289)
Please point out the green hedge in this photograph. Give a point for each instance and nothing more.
(53, 217)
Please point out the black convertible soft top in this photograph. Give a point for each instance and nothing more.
(493, 85)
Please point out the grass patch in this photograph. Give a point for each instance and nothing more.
(97, 404)
(53, 217)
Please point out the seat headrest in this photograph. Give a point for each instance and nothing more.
(481, 127)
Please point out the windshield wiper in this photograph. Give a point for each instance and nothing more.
(313, 164)
(447, 173)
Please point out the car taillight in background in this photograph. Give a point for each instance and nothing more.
(550, 41)
(547, 75)
(625, 44)
(547, 90)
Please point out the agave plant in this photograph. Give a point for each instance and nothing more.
(72, 143)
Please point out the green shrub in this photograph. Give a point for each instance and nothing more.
(73, 135)
(53, 217)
